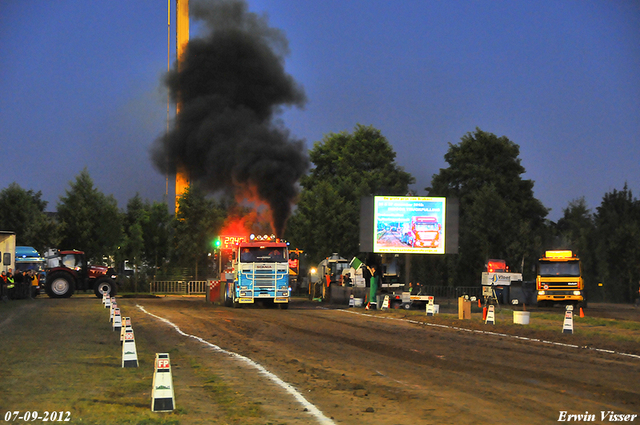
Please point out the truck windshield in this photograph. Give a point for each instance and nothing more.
(30, 265)
(564, 269)
(263, 255)
(337, 268)
(72, 261)
(424, 227)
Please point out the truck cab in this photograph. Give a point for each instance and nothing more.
(260, 273)
(559, 279)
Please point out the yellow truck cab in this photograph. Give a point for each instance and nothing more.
(559, 279)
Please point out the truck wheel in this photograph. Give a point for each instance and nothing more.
(59, 285)
(283, 306)
(105, 285)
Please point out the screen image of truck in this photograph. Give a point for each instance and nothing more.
(424, 232)
(410, 225)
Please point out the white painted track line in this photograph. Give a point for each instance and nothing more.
(313, 410)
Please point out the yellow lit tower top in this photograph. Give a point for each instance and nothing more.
(182, 38)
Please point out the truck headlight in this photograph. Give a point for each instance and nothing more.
(540, 292)
(576, 292)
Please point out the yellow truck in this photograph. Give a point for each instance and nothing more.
(559, 279)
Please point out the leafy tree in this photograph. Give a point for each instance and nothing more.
(576, 232)
(575, 227)
(90, 221)
(23, 212)
(197, 223)
(133, 241)
(157, 232)
(499, 216)
(617, 223)
(347, 167)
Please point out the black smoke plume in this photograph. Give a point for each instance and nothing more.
(231, 87)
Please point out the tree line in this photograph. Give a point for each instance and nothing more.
(499, 214)
(144, 234)
(499, 217)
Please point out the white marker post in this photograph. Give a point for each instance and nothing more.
(162, 395)
(117, 320)
(123, 330)
(431, 310)
(567, 326)
(385, 303)
(491, 316)
(129, 353)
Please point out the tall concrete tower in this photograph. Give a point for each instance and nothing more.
(182, 38)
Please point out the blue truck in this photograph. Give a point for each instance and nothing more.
(27, 258)
(260, 273)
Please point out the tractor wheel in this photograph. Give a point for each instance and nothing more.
(60, 285)
(105, 285)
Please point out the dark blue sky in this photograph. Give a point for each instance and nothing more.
(80, 85)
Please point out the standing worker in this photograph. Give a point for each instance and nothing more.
(3, 286)
(373, 289)
(34, 281)
(18, 280)
(326, 290)
(11, 287)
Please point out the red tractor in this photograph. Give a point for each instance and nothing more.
(69, 272)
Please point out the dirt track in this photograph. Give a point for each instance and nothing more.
(357, 368)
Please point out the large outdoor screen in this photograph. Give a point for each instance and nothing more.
(412, 225)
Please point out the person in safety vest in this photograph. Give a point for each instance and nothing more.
(11, 287)
(34, 283)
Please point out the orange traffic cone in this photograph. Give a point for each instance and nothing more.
(479, 303)
(581, 312)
